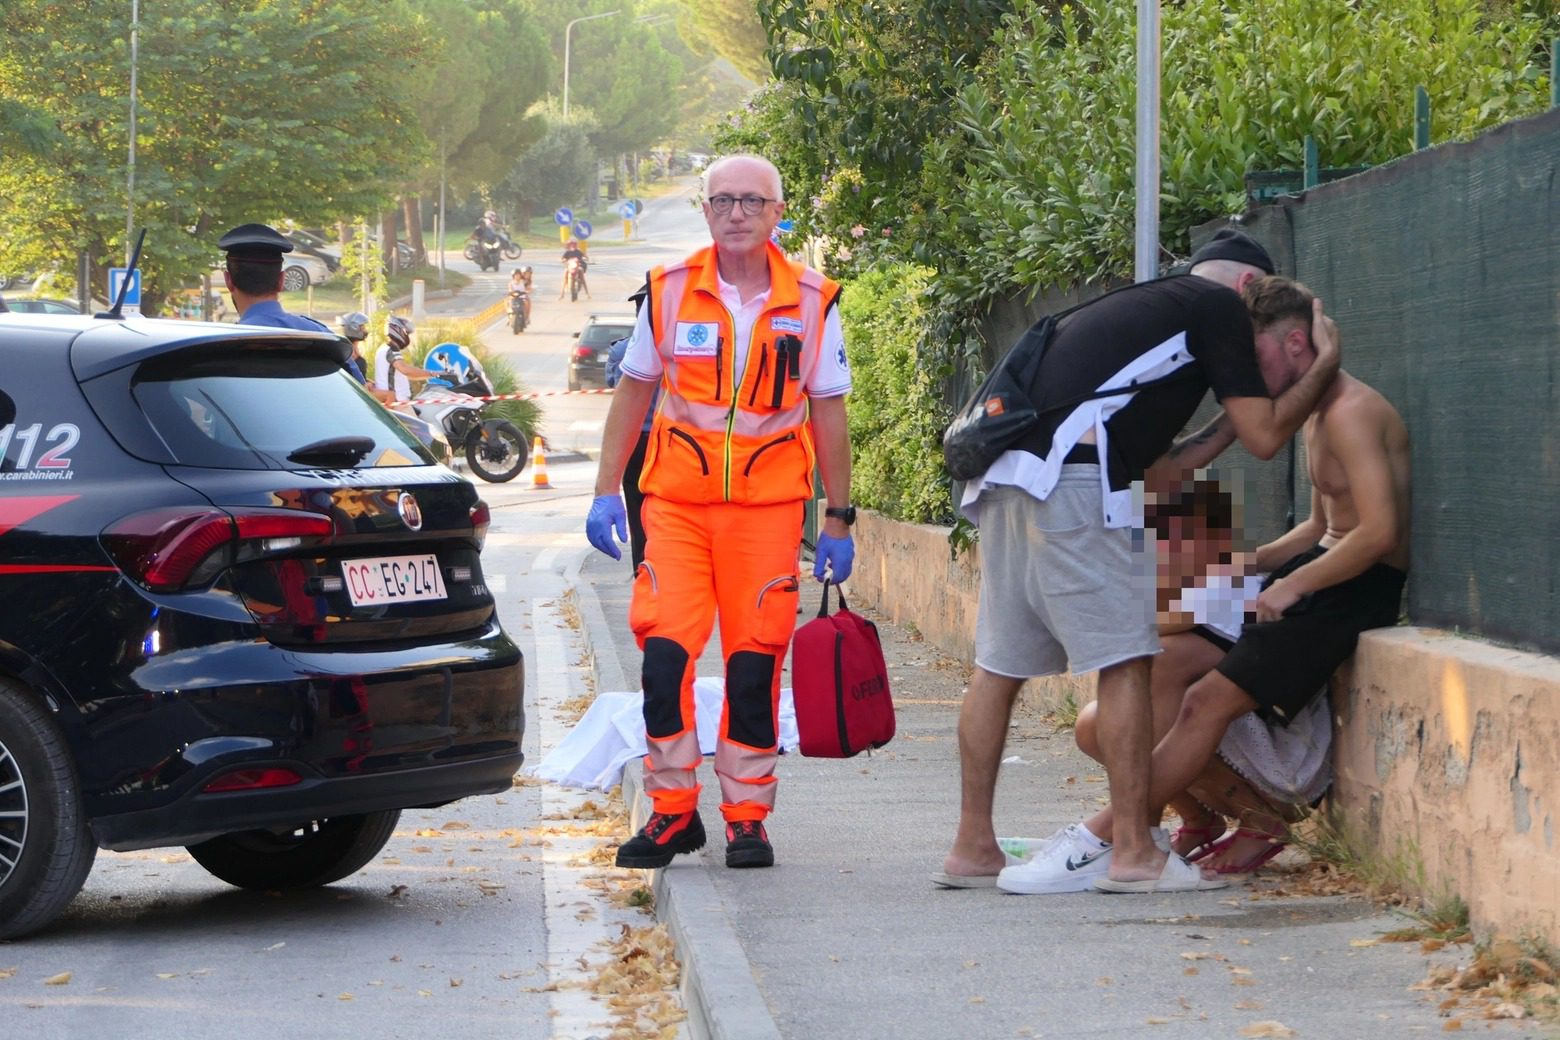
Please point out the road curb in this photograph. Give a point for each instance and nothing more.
(718, 990)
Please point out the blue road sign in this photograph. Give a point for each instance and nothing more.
(564, 216)
(582, 229)
(786, 226)
(116, 277)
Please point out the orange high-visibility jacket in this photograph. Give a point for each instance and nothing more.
(726, 436)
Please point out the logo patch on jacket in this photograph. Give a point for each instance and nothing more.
(780, 324)
(696, 339)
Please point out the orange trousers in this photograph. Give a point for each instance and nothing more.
(738, 563)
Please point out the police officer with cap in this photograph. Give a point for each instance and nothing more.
(254, 277)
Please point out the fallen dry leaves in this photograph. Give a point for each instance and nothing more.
(1501, 981)
(1268, 1027)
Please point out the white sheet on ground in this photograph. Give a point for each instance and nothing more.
(612, 733)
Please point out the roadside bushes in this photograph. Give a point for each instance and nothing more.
(896, 411)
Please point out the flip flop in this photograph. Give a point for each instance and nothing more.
(1204, 836)
(943, 879)
(1274, 847)
(1178, 876)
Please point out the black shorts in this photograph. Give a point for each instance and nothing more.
(1283, 665)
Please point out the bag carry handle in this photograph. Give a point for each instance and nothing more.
(823, 607)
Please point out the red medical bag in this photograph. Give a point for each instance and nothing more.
(839, 684)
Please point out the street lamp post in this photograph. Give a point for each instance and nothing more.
(1146, 259)
(135, 29)
(567, 29)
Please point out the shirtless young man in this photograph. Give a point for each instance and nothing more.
(1333, 576)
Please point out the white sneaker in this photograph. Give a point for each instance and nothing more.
(1070, 863)
(1025, 848)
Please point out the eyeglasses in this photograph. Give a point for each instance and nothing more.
(752, 205)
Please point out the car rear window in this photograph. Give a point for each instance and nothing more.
(604, 335)
(252, 412)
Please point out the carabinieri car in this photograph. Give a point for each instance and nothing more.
(242, 610)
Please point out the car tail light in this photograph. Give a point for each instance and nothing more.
(481, 519)
(252, 780)
(171, 549)
(582, 351)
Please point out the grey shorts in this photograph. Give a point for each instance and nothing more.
(1058, 589)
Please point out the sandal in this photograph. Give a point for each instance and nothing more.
(1204, 837)
(1274, 847)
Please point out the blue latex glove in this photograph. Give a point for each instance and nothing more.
(607, 515)
(837, 553)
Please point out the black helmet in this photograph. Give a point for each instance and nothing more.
(354, 326)
(398, 331)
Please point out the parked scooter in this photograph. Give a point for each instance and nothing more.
(494, 448)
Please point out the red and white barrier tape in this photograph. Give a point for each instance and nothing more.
(502, 397)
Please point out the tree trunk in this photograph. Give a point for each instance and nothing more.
(411, 208)
(387, 240)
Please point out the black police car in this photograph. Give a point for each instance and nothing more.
(242, 610)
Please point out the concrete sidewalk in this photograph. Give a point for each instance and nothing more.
(846, 936)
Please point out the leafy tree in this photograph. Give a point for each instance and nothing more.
(554, 171)
(730, 29)
(248, 110)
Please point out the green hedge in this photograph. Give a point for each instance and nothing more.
(896, 411)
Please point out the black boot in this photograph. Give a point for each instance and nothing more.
(747, 845)
(663, 836)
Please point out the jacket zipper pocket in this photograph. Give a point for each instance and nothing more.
(703, 462)
(748, 469)
(763, 370)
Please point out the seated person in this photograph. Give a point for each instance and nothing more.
(520, 282)
(1263, 775)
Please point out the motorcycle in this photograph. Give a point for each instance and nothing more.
(510, 246)
(574, 277)
(495, 449)
(486, 252)
(518, 300)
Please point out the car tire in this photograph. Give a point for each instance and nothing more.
(310, 855)
(46, 848)
(295, 279)
(5, 282)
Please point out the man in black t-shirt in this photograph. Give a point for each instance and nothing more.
(1061, 583)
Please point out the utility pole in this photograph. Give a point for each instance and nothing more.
(135, 32)
(1146, 263)
(443, 223)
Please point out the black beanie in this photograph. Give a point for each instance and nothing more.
(1229, 244)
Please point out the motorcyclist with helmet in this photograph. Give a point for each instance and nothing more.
(572, 250)
(354, 328)
(393, 374)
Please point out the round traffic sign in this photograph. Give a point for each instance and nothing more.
(582, 229)
(564, 216)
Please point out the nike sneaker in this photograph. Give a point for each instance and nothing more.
(1069, 863)
(663, 836)
(747, 845)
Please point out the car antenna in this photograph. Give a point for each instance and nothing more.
(114, 312)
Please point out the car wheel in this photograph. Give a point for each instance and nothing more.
(295, 279)
(5, 281)
(46, 849)
(307, 856)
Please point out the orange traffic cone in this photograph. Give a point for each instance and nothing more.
(539, 467)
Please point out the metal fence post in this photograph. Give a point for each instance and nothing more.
(1421, 118)
(1313, 163)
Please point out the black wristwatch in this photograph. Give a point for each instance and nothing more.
(847, 514)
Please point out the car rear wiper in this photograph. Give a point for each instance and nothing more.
(338, 450)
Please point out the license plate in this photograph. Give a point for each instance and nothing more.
(602, 356)
(393, 579)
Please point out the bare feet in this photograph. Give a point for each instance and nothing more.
(1243, 852)
(984, 862)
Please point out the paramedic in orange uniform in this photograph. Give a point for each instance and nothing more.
(748, 348)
